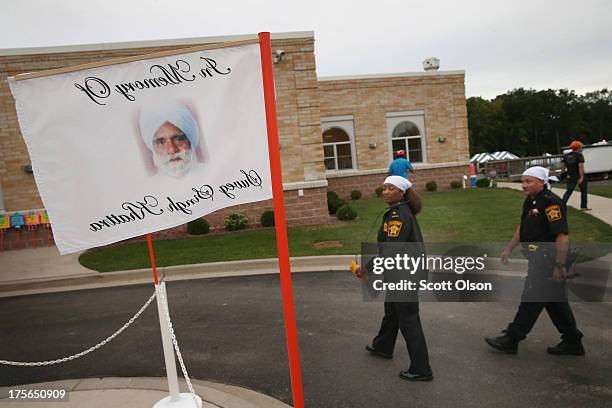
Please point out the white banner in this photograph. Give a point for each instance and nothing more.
(127, 149)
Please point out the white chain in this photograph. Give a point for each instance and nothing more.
(85, 352)
(176, 347)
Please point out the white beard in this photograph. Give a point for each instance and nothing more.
(168, 164)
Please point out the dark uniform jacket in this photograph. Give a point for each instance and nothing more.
(400, 234)
(399, 225)
(543, 218)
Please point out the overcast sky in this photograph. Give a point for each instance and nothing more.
(501, 45)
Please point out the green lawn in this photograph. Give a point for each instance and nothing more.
(600, 190)
(465, 216)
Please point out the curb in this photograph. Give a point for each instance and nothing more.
(330, 263)
(172, 273)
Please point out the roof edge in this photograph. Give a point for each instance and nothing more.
(391, 75)
(148, 43)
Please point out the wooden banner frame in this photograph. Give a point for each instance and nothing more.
(125, 60)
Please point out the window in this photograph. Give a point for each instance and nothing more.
(337, 149)
(406, 131)
(406, 136)
(338, 143)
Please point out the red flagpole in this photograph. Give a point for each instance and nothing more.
(152, 256)
(282, 244)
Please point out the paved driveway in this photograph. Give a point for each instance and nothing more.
(231, 330)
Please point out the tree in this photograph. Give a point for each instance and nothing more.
(529, 122)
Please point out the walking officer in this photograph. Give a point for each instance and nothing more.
(543, 236)
(399, 227)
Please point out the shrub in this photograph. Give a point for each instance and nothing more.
(431, 186)
(198, 226)
(267, 218)
(335, 205)
(346, 213)
(235, 222)
(378, 191)
(455, 184)
(483, 182)
(334, 202)
(355, 195)
(332, 195)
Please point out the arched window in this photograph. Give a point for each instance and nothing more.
(407, 136)
(337, 149)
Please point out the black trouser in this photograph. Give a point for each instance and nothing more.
(404, 316)
(571, 185)
(540, 292)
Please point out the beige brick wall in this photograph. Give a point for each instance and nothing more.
(297, 108)
(440, 96)
(298, 111)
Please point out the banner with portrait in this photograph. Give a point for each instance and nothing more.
(139, 145)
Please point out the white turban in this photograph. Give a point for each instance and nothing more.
(176, 113)
(398, 181)
(537, 172)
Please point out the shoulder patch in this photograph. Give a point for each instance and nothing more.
(553, 212)
(394, 229)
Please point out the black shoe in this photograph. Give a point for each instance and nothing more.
(567, 348)
(504, 343)
(405, 375)
(377, 353)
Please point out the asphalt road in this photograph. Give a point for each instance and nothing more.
(231, 330)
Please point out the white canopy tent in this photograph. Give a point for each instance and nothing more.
(504, 155)
(481, 158)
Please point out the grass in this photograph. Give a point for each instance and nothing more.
(466, 216)
(602, 190)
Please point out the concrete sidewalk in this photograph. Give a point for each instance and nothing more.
(140, 393)
(601, 207)
(43, 270)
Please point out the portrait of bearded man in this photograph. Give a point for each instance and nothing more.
(172, 135)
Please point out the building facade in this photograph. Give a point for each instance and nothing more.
(336, 134)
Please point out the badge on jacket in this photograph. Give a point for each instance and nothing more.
(394, 229)
(553, 212)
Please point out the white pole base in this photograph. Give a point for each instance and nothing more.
(185, 401)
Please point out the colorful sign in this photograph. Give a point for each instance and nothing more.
(17, 220)
(5, 221)
(44, 217)
(32, 219)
